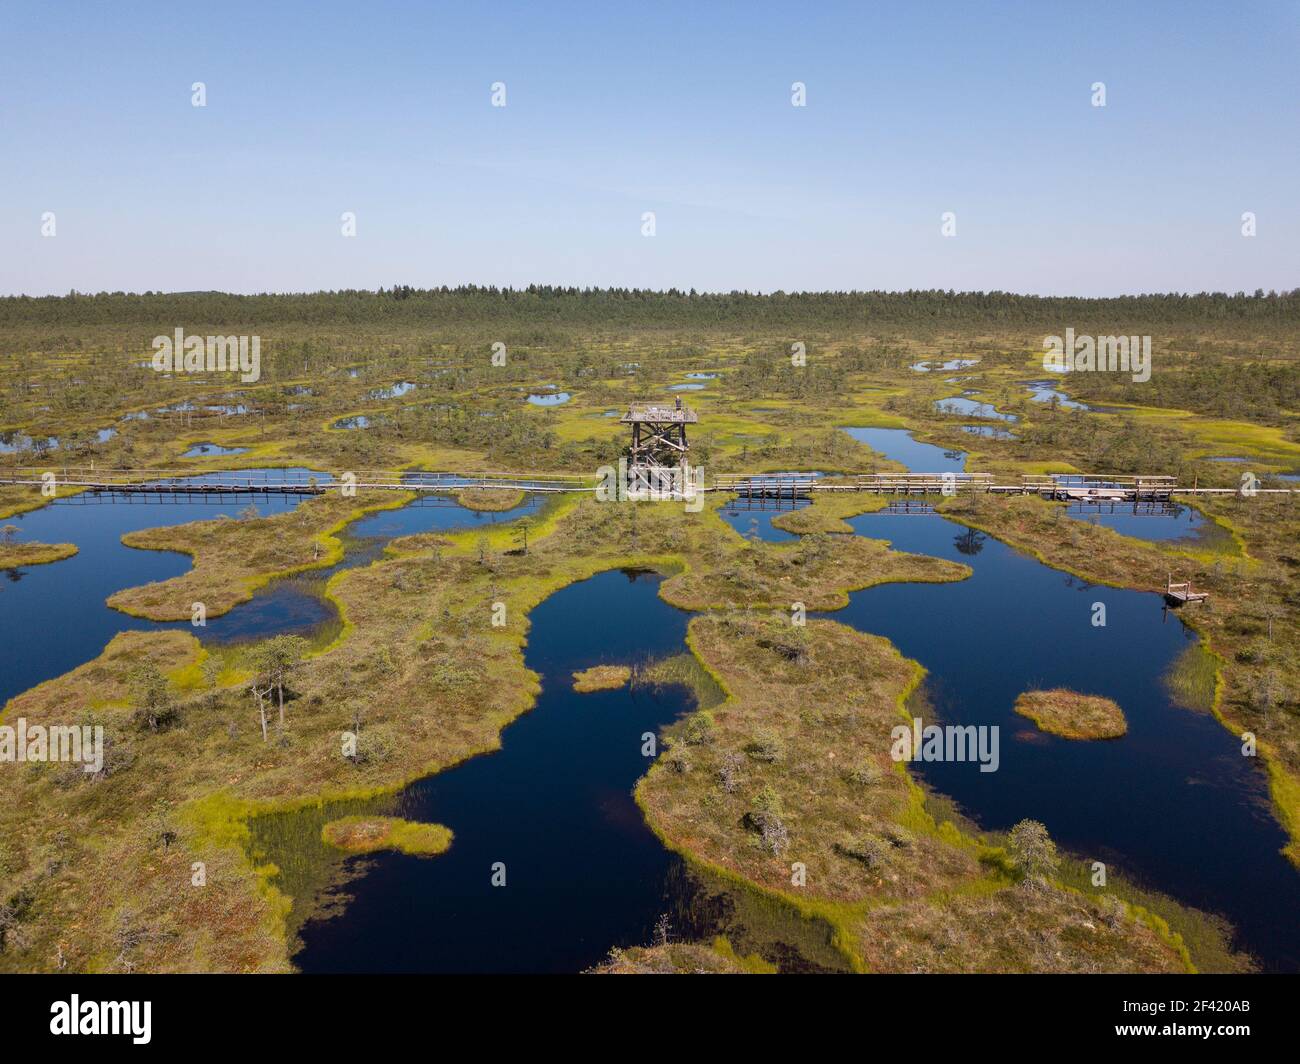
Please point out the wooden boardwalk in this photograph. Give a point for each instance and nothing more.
(286, 482)
(1071, 487)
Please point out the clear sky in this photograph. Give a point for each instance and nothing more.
(683, 109)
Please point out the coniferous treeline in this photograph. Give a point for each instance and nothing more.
(539, 304)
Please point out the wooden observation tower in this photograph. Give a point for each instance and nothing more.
(659, 446)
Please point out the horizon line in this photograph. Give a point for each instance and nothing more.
(691, 293)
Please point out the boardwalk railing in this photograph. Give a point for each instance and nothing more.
(292, 481)
(797, 485)
(1075, 487)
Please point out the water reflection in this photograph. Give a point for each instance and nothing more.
(1046, 392)
(970, 542)
(212, 450)
(971, 408)
(555, 798)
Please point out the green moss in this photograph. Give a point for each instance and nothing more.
(601, 678)
(828, 511)
(366, 834)
(228, 789)
(1192, 679)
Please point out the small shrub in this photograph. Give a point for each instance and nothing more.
(765, 745)
(448, 676)
(373, 748)
(729, 772)
(870, 850)
(867, 774)
(677, 760)
(1033, 853)
(765, 819)
(698, 730)
(767, 800)
(1112, 910)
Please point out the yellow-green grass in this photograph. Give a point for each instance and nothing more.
(1223, 435)
(1072, 715)
(13, 555)
(418, 671)
(366, 834)
(1193, 679)
(21, 499)
(855, 846)
(236, 784)
(827, 512)
(261, 453)
(1248, 595)
(235, 557)
(681, 958)
(601, 678)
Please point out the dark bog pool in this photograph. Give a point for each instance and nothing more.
(553, 805)
(919, 457)
(1173, 803)
(66, 600)
(959, 404)
(752, 518)
(1156, 522)
(53, 617)
(1045, 392)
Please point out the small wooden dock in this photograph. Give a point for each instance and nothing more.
(1180, 594)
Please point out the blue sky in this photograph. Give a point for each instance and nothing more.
(384, 109)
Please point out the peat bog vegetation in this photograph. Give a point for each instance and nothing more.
(694, 708)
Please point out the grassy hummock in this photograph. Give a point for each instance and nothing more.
(601, 678)
(489, 500)
(789, 785)
(680, 958)
(828, 513)
(418, 664)
(1072, 715)
(234, 557)
(1250, 659)
(366, 834)
(417, 670)
(13, 555)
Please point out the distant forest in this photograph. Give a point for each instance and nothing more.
(539, 304)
